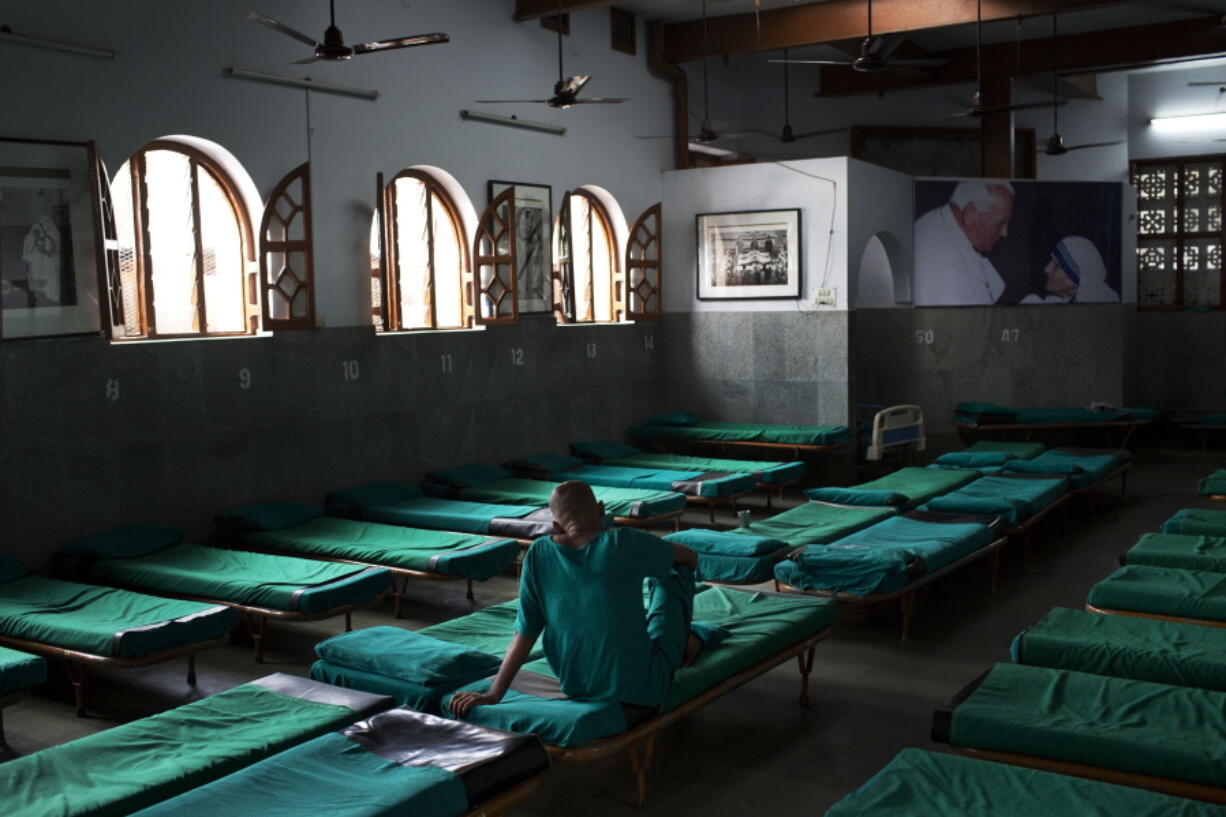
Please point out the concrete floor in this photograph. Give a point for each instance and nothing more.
(872, 694)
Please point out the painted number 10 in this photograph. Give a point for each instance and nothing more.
(350, 370)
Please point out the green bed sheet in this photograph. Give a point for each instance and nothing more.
(1143, 649)
(1186, 551)
(1214, 484)
(104, 620)
(1082, 470)
(917, 783)
(20, 671)
(624, 502)
(913, 485)
(815, 523)
(137, 764)
(883, 558)
(1021, 450)
(726, 556)
(1013, 500)
(399, 503)
(772, 473)
(239, 577)
(455, 554)
(1194, 594)
(759, 624)
(1132, 726)
(1197, 521)
(745, 432)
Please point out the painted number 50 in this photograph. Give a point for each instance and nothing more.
(925, 337)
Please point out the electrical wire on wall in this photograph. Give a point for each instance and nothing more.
(834, 203)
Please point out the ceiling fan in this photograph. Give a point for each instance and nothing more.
(1055, 142)
(875, 54)
(565, 90)
(977, 108)
(787, 135)
(333, 47)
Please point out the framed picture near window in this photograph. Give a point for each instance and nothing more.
(50, 239)
(754, 255)
(533, 225)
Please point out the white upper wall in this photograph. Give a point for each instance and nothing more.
(1165, 92)
(818, 187)
(168, 80)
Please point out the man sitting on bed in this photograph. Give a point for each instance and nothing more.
(583, 588)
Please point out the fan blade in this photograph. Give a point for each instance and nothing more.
(810, 62)
(574, 85)
(888, 45)
(400, 42)
(307, 61)
(277, 25)
(601, 100)
(510, 101)
(710, 150)
(653, 137)
(1093, 145)
(826, 132)
(1206, 83)
(748, 134)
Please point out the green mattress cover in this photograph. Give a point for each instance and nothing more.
(746, 432)
(712, 485)
(1165, 591)
(471, 556)
(423, 512)
(768, 472)
(759, 624)
(1013, 500)
(1144, 649)
(1214, 484)
(918, 485)
(815, 523)
(20, 671)
(331, 772)
(1082, 470)
(1021, 450)
(1203, 521)
(1187, 551)
(917, 783)
(626, 502)
(1164, 731)
(1069, 414)
(104, 620)
(422, 697)
(883, 558)
(137, 764)
(240, 577)
(726, 556)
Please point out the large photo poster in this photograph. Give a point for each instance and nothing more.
(980, 242)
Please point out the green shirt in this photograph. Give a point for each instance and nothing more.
(588, 602)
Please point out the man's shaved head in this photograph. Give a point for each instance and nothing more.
(574, 506)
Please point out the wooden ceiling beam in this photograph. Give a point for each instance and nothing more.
(797, 26)
(536, 9)
(1079, 53)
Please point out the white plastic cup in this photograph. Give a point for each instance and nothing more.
(745, 517)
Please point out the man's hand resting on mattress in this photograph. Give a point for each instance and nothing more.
(461, 702)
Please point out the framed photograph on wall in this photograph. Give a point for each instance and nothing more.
(753, 255)
(50, 239)
(533, 226)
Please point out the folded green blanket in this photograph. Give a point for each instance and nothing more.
(1186, 551)
(1197, 521)
(1192, 594)
(1214, 484)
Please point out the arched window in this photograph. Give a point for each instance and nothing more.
(186, 256)
(419, 256)
(587, 287)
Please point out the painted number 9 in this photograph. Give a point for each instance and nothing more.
(244, 378)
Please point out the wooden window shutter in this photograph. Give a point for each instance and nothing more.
(642, 267)
(494, 251)
(287, 278)
(380, 303)
(110, 284)
(564, 267)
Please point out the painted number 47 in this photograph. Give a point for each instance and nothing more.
(1010, 335)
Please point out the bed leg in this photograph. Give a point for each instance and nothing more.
(768, 497)
(711, 510)
(1026, 542)
(348, 622)
(805, 661)
(906, 603)
(470, 596)
(397, 602)
(994, 564)
(677, 521)
(76, 677)
(640, 761)
(255, 626)
(191, 669)
(3, 741)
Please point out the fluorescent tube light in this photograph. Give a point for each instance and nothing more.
(1191, 122)
(306, 82)
(710, 150)
(512, 122)
(7, 34)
